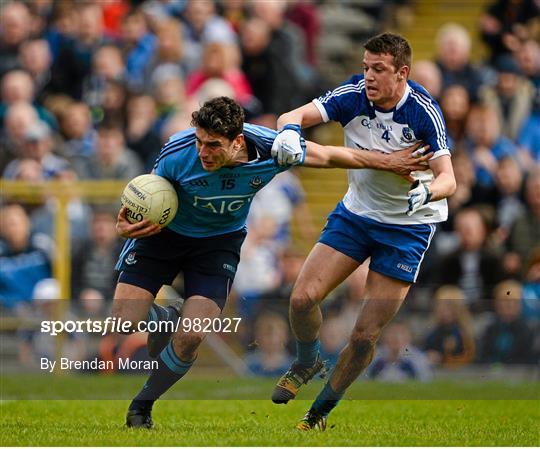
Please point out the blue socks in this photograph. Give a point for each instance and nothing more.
(306, 353)
(170, 370)
(326, 400)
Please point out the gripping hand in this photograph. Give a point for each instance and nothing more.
(289, 147)
(419, 194)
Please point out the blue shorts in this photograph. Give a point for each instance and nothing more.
(396, 250)
(208, 263)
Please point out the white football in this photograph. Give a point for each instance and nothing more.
(152, 197)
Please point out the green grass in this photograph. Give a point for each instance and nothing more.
(236, 422)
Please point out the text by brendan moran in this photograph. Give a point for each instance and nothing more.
(122, 364)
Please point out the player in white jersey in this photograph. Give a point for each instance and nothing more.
(382, 216)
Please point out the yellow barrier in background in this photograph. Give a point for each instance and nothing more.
(94, 192)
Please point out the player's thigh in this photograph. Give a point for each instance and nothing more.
(198, 314)
(324, 269)
(131, 303)
(383, 297)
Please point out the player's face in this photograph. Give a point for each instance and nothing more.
(384, 82)
(214, 151)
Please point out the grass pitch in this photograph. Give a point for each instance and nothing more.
(246, 422)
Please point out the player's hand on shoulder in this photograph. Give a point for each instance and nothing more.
(134, 230)
(418, 195)
(414, 158)
(289, 147)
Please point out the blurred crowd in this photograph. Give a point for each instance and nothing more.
(90, 90)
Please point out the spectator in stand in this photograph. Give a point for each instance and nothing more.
(25, 258)
(19, 117)
(139, 47)
(42, 214)
(264, 69)
(169, 93)
(235, 12)
(505, 23)
(16, 28)
(455, 106)
(396, 359)
(453, 59)
(140, 133)
(451, 342)
(38, 145)
(531, 290)
(74, 61)
(507, 339)
(36, 59)
(509, 206)
(16, 86)
(79, 136)
(92, 304)
(528, 57)
(304, 15)
(203, 26)
(472, 266)
(428, 74)
(107, 67)
(62, 26)
(169, 52)
(288, 44)
(221, 61)
(93, 265)
(525, 233)
(485, 144)
(271, 356)
(111, 159)
(511, 97)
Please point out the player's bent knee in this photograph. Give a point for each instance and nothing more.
(303, 301)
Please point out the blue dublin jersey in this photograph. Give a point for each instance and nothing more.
(215, 202)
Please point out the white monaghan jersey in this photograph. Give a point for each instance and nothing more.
(376, 194)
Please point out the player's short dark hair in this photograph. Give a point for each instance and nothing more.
(221, 116)
(392, 44)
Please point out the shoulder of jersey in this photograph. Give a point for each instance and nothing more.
(262, 137)
(177, 143)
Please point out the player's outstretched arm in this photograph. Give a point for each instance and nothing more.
(400, 162)
(442, 186)
(134, 230)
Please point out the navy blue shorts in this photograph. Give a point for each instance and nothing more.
(208, 263)
(396, 251)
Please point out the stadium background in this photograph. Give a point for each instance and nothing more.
(91, 90)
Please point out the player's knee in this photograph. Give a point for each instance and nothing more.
(363, 343)
(186, 344)
(303, 300)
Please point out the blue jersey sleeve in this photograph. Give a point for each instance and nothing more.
(343, 103)
(430, 125)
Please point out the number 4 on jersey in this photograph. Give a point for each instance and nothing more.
(386, 136)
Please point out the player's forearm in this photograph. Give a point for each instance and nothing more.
(319, 156)
(305, 116)
(443, 186)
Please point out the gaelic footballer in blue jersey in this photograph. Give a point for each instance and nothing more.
(216, 167)
(382, 216)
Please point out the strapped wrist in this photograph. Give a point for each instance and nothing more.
(292, 127)
(428, 193)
